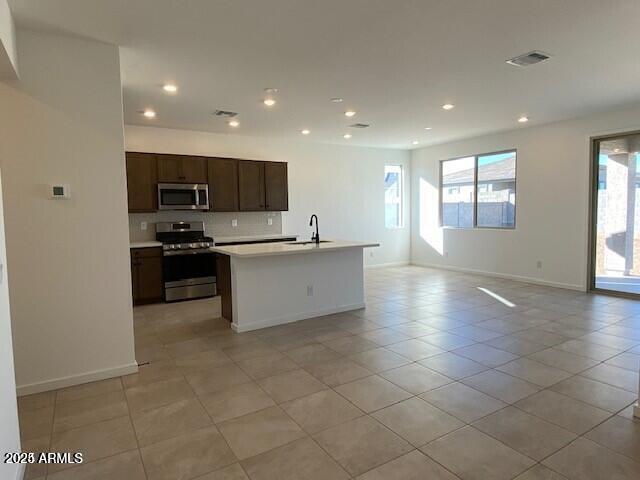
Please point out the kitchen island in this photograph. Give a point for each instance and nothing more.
(263, 285)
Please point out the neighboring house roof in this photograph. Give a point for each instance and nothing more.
(496, 171)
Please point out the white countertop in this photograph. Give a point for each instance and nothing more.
(284, 248)
(252, 238)
(147, 244)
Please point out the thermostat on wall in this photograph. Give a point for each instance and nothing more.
(60, 191)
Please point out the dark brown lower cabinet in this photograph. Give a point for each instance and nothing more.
(146, 275)
(223, 280)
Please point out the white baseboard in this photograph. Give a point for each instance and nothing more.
(72, 380)
(272, 322)
(507, 276)
(386, 265)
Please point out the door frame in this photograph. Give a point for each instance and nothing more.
(593, 214)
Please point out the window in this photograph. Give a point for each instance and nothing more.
(479, 191)
(458, 192)
(393, 196)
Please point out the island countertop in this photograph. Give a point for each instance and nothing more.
(287, 248)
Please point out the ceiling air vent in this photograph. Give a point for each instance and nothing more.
(225, 113)
(529, 59)
(360, 125)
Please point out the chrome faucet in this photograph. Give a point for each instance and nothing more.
(315, 237)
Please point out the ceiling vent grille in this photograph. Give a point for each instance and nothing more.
(225, 113)
(360, 125)
(530, 58)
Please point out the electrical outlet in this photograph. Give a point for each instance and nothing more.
(269, 221)
(309, 290)
(539, 264)
(234, 222)
(143, 225)
(446, 254)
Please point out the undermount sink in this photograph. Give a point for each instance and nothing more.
(308, 242)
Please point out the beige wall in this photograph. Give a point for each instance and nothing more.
(70, 283)
(9, 434)
(344, 186)
(552, 196)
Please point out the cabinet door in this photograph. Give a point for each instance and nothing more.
(223, 281)
(251, 185)
(276, 186)
(146, 275)
(134, 281)
(193, 169)
(142, 177)
(223, 184)
(150, 286)
(169, 169)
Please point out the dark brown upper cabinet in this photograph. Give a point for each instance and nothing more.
(182, 169)
(251, 185)
(223, 184)
(234, 185)
(276, 186)
(142, 177)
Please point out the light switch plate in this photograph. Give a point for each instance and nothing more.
(234, 222)
(143, 225)
(269, 221)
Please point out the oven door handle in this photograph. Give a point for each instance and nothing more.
(197, 251)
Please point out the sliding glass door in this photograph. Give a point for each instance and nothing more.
(616, 214)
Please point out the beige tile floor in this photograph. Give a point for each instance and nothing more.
(435, 379)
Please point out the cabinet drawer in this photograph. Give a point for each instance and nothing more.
(146, 252)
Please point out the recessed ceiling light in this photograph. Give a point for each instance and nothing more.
(448, 106)
(428, 128)
(149, 113)
(234, 123)
(269, 102)
(170, 88)
(337, 100)
(523, 119)
(270, 90)
(347, 136)
(415, 142)
(305, 131)
(349, 113)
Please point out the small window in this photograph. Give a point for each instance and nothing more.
(479, 191)
(393, 196)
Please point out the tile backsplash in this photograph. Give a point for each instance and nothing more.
(216, 224)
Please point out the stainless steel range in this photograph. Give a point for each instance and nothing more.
(189, 267)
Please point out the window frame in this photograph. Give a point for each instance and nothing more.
(475, 191)
(400, 196)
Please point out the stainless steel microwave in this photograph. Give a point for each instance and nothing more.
(183, 196)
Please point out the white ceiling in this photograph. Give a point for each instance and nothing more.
(393, 61)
